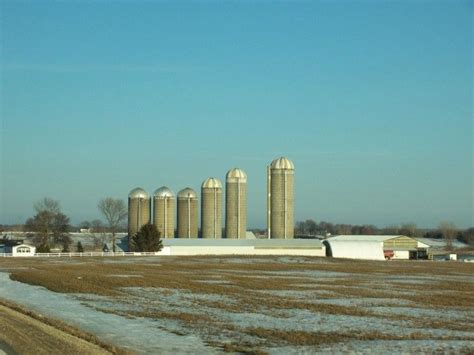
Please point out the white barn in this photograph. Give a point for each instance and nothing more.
(374, 247)
(304, 247)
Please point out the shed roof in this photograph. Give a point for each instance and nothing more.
(259, 243)
(368, 238)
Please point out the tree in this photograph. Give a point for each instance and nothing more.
(85, 225)
(97, 226)
(409, 229)
(114, 212)
(449, 233)
(79, 247)
(146, 239)
(49, 222)
(467, 236)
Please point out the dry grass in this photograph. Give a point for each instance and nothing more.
(302, 338)
(249, 285)
(60, 325)
(243, 283)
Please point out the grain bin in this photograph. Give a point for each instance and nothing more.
(211, 208)
(280, 199)
(187, 214)
(163, 211)
(138, 210)
(236, 204)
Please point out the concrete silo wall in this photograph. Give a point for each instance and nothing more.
(282, 203)
(187, 218)
(236, 210)
(164, 210)
(138, 214)
(211, 213)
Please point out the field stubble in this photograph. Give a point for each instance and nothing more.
(256, 304)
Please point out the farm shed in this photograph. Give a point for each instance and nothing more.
(242, 247)
(23, 250)
(375, 247)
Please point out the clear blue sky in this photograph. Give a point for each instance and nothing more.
(371, 100)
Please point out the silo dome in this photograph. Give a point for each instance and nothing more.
(187, 192)
(163, 191)
(138, 193)
(236, 173)
(211, 183)
(282, 163)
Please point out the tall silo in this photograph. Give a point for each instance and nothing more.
(163, 211)
(138, 210)
(187, 214)
(280, 199)
(211, 208)
(236, 204)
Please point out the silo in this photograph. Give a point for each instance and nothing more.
(163, 211)
(211, 208)
(187, 214)
(138, 210)
(236, 204)
(280, 199)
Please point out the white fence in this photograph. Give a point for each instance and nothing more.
(49, 255)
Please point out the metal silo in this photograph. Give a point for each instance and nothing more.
(163, 211)
(236, 204)
(211, 208)
(138, 210)
(187, 214)
(280, 199)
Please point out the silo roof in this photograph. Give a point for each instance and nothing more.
(283, 163)
(236, 173)
(187, 193)
(138, 193)
(163, 191)
(212, 183)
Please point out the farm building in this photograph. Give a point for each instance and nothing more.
(375, 247)
(16, 248)
(306, 247)
(23, 250)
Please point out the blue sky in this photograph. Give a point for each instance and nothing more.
(371, 100)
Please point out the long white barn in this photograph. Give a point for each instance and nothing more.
(304, 247)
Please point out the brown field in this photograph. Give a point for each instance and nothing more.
(26, 332)
(254, 304)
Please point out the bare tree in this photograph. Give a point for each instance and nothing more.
(49, 221)
(114, 211)
(449, 233)
(97, 226)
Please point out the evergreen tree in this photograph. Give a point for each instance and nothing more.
(79, 247)
(146, 239)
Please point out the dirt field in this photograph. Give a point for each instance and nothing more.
(265, 304)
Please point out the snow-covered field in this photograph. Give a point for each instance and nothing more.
(275, 305)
